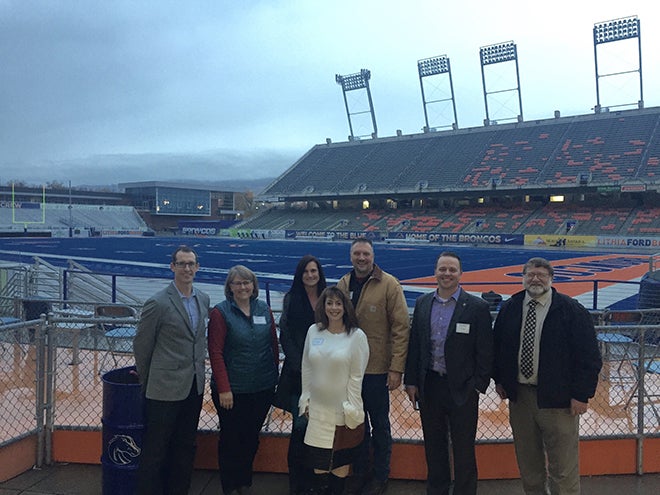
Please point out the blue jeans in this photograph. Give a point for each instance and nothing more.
(377, 433)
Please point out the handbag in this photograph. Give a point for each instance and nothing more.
(347, 438)
(287, 387)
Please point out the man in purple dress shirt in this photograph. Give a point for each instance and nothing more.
(450, 359)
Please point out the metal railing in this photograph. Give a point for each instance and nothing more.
(78, 282)
(81, 283)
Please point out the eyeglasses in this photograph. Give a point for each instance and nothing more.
(185, 264)
(242, 283)
(540, 276)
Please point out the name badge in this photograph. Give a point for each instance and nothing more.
(259, 320)
(317, 341)
(463, 328)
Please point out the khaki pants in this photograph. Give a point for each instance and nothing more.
(546, 443)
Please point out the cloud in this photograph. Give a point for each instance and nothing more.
(90, 85)
(212, 166)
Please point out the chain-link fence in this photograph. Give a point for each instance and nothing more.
(51, 370)
(626, 403)
(21, 378)
(628, 395)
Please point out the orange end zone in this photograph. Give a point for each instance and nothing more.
(579, 271)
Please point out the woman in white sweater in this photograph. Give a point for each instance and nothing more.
(333, 363)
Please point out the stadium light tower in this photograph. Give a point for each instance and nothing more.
(353, 82)
(436, 66)
(495, 54)
(618, 30)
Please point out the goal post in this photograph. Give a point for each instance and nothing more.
(25, 221)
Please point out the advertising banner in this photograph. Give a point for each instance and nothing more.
(191, 227)
(332, 235)
(449, 238)
(573, 241)
(618, 242)
(254, 233)
(482, 238)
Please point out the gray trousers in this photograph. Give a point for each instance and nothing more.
(546, 443)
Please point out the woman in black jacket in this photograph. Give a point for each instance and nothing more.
(297, 317)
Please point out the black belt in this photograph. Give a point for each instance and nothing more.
(437, 373)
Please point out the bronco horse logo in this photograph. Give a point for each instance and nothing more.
(122, 449)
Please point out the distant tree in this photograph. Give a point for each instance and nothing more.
(244, 201)
(54, 184)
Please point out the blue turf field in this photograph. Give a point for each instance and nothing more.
(149, 256)
(275, 261)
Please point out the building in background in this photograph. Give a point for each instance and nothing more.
(169, 206)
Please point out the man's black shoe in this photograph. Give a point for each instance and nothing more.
(376, 488)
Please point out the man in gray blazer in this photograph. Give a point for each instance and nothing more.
(450, 360)
(170, 350)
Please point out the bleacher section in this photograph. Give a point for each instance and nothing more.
(84, 218)
(553, 218)
(547, 220)
(602, 221)
(508, 219)
(564, 219)
(606, 151)
(276, 218)
(515, 157)
(591, 150)
(389, 159)
(486, 218)
(441, 163)
(643, 222)
(650, 168)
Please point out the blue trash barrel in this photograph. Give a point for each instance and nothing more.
(123, 429)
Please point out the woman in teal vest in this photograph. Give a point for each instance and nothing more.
(244, 356)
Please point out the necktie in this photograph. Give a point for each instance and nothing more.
(527, 353)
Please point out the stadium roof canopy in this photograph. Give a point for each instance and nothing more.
(173, 185)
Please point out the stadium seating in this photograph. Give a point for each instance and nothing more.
(643, 221)
(515, 166)
(442, 162)
(515, 157)
(553, 218)
(57, 219)
(509, 218)
(608, 150)
(390, 159)
(650, 167)
(596, 149)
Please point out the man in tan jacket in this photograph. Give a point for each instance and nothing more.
(383, 316)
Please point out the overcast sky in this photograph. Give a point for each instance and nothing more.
(108, 91)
